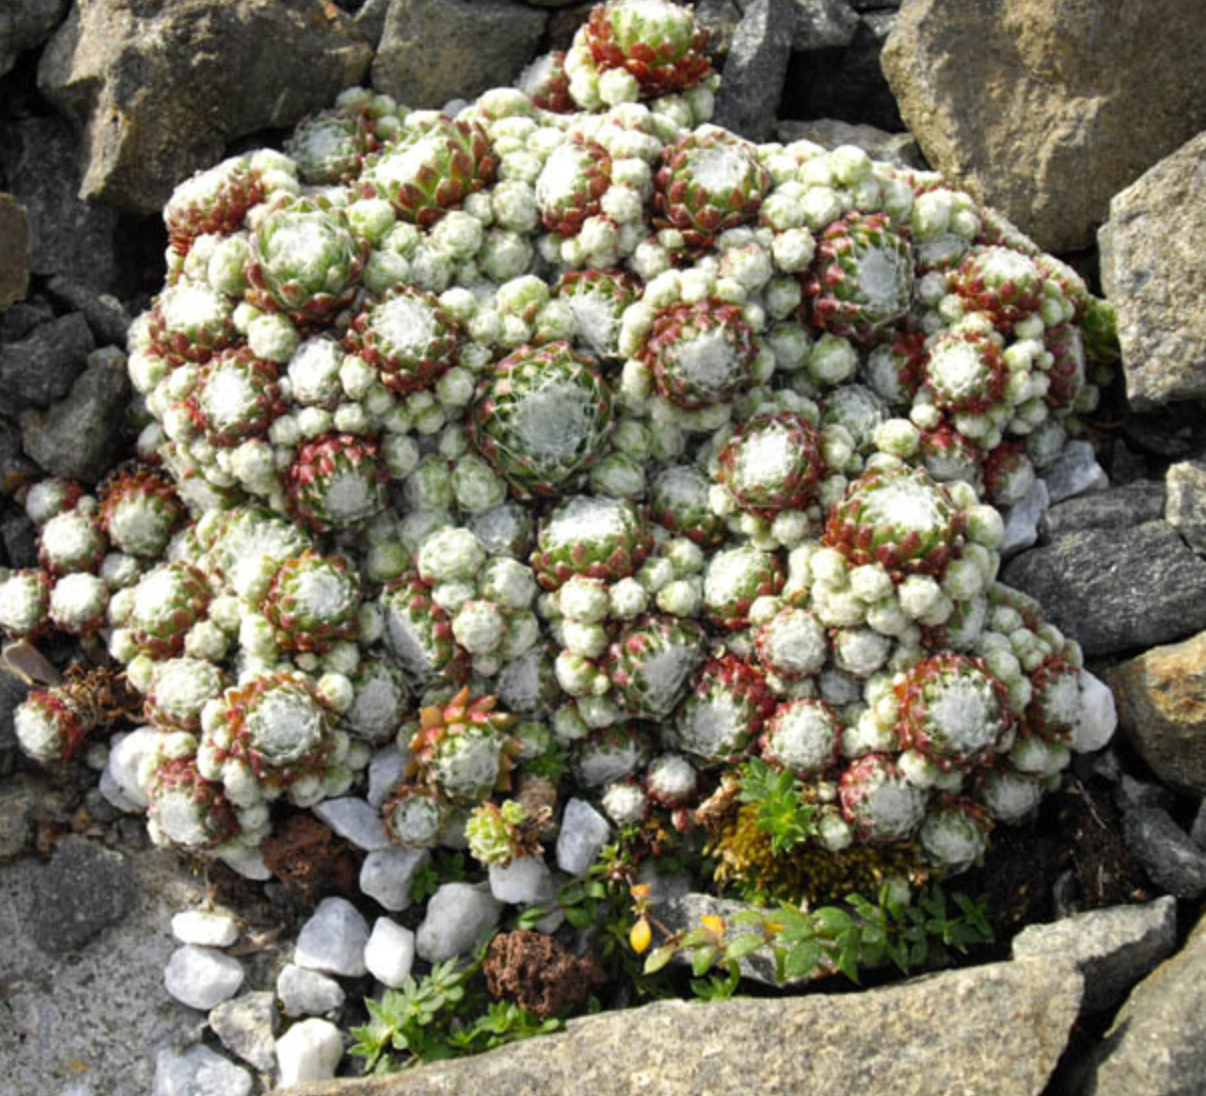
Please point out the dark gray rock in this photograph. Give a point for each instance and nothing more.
(1166, 852)
(1176, 431)
(1074, 472)
(1132, 795)
(80, 437)
(17, 801)
(1115, 508)
(40, 369)
(370, 20)
(752, 81)
(14, 251)
(20, 319)
(83, 890)
(107, 317)
(1155, 284)
(247, 1027)
(822, 24)
(1112, 948)
(68, 236)
(1185, 509)
(1045, 109)
(159, 90)
(432, 51)
(24, 25)
(895, 148)
(15, 468)
(1154, 1046)
(1197, 832)
(20, 539)
(1116, 590)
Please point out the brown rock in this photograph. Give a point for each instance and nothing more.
(1161, 698)
(14, 251)
(539, 974)
(1047, 108)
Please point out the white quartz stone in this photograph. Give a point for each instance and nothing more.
(198, 1071)
(390, 952)
(385, 770)
(309, 1051)
(584, 831)
(1075, 472)
(1021, 526)
(211, 930)
(1098, 714)
(387, 875)
(458, 914)
(307, 992)
(202, 977)
(249, 863)
(355, 820)
(526, 880)
(126, 753)
(333, 939)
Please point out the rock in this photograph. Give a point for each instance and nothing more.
(159, 92)
(202, 977)
(83, 890)
(1115, 590)
(1161, 698)
(1115, 508)
(1154, 1046)
(1167, 854)
(68, 236)
(107, 317)
(14, 246)
(1131, 794)
(1075, 472)
(370, 20)
(584, 831)
(20, 538)
(20, 319)
(16, 470)
(25, 25)
(76, 437)
(247, 1028)
(752, 80)
(1185, 508)
(525, 881)
(1197, 832)
(1175, 431)
(17, 802)
(40, 369)
(458, 914)
(385, 770)
(822, 24)
(126, 754)
(309, 1051)
(307, 993)
(198, 1071)
(355, 821)
(895, 148)
(924, 1037)
(333, 939)
(845, 83)
(1023, 520)
(390, 952)
(1044, 109)
(1112, 948)
(388, 874)
(432, 51)
(1153, 284)
(206, 929)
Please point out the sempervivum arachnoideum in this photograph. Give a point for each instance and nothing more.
(212, 202)
(723, 713)
(380, 698)
(772, 463)
(546, 83)
(414, 815)
(949, 456)
(1055, 703)
(803, 737)
(861, 279)
(1001, 282)
(24, 602)
(793, 644)
(610, 754)
(418, 633)
(180, 689)
(78, 603)
(330, 147)
(953, 712)
(248, 544)
(700, 354)
(139, 510)
(878, 800)
(337, 480)
(462, 747)
(432, 170)
(596, 537)
(313, 603)
(965, 373)
(1008, 474)
(899, 517)
(735, 578)
(1066, 376)
(708, 181)
(72, 541)
(166, 603)
(542, 417)
(656, 42)
(895, 369)
(598, 299)
(190, 322)
(238, 396)
(954, 835)
(50, 725)
(678, 501)
(651, 663)
(187, 810)
(407, 337)
(571, 184)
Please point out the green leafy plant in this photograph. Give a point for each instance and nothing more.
(445, 866)
(782, 811)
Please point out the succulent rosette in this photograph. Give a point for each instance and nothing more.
(596, 537)
(190, 322)
(414, 815)
(418, 633)
(214, 201)
(546, 83)
(407, 337)
(965, 372)
(1000, 281)
(180, 689)
(380, 700)
(803, 736)
(50, 726)
(598, 299)
(734, 578)
(569, 188)
(139, 510)
(1066, 375)
(954, 835)
(336, 480)
(462, 747)
(879, 801)
(723, 714)
(610, 754)
(792, 644)
(678, 501)
(187, 810)
(24, 603)
(895, 368)
(313, 603)
(700, 354)
(949, 456)
(238, 396)
(1055, 705)
(652, 661)
(72, 541)
(656, 42)
(166, 603)
(772, 463)
(330, 147)
(541, 417)
(1008, 474)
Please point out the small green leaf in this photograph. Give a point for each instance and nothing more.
(802, 960)
(659, 957)
(702, 960)
(577, 917)
(831, 921)
(741, 946)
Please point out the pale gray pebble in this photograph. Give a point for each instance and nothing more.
(333, 940)
(388, 875)
(307, 992)
(355, 820)
(309, 1051)
(584, 831)
(1074, 472)
(385, 770)
(390, 952)
(202, 977)
(457, 916)
(207, 929)
(247, 1026)
(198, 1071)
(525, 880)
(1022, 522)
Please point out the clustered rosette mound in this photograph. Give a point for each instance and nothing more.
(615, 446)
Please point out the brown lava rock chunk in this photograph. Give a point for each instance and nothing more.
(539, 974)
(309, 860)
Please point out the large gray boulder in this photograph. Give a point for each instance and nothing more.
(995, 1029)
(26, 24)
(1154, 273)
(1045, 109)
(158, 90)
(14, 251)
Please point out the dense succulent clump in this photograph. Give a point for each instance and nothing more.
(572, 448)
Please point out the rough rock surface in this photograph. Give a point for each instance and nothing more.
(1161, 698)
(752, 80)
(1173, 861)
(1154, 277)
(432, 51)
(1116, 590)
(1155, 1045)
(41, 368)
(1112, 948)
(881, 1042)
(1115, 508)
(247, 1027)
(76, 437)
(14, 247)
(84, 889)
(896, 148)
(1046, 109)
(160, 89)
(26, 24)
(1185, 509)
